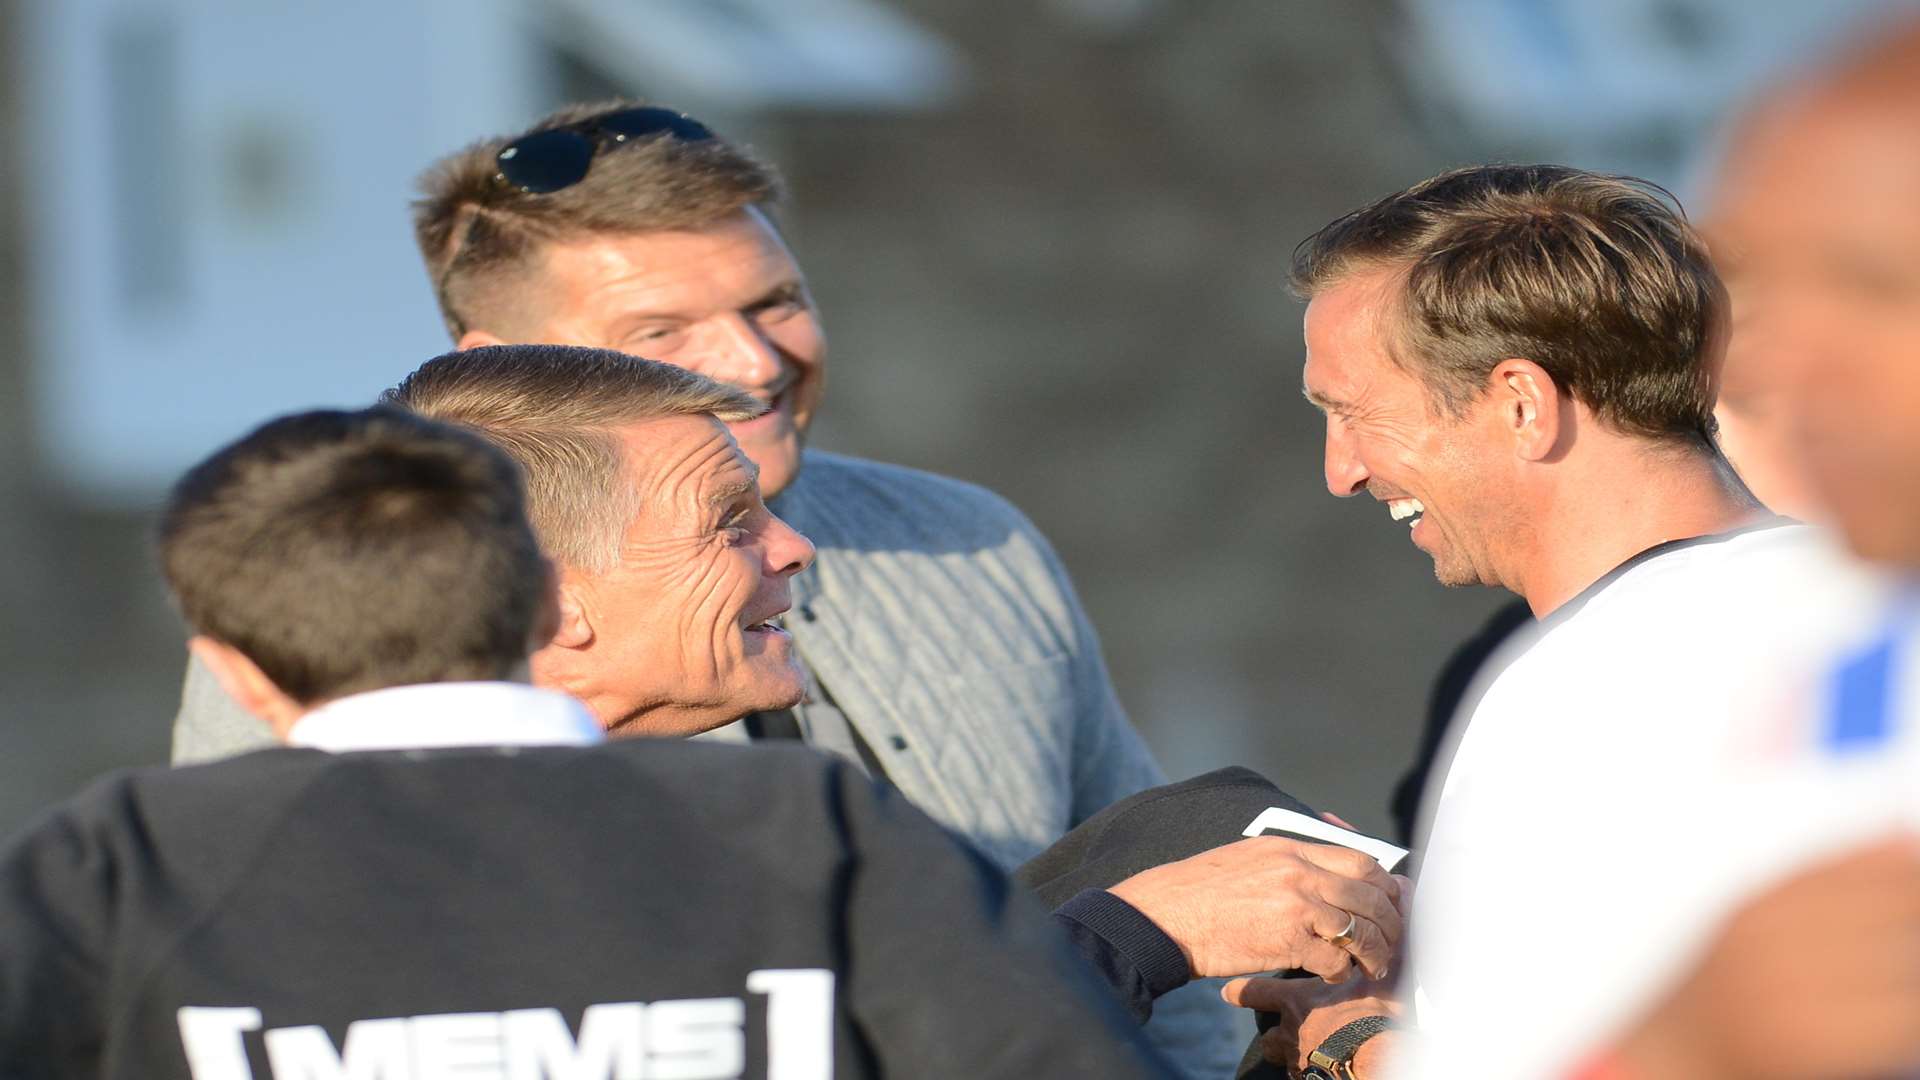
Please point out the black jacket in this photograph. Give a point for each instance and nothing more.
(637, 909)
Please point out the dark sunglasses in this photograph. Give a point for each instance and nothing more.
(547, 161)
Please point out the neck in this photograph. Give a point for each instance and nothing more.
(616, 710)
(1618, 504)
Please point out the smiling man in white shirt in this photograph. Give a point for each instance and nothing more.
(1520, 361)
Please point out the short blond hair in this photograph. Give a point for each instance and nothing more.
(478, 233)
(554, 410)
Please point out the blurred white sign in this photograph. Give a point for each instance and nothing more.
(218, 189)
(219, 221)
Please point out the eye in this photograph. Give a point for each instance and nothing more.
(733, 526)
(658, 338)
(781, 305)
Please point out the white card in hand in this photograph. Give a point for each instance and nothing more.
(1274, 819)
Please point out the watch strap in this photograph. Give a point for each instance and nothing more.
(1333, 1059)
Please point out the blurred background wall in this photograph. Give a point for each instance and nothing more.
(1049, 237)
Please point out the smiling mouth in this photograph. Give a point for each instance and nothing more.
(1407, 510)
(776, 405)
(769, 625)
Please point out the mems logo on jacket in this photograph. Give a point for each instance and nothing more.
(690, 1039)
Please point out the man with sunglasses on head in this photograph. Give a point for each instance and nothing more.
(945, 649)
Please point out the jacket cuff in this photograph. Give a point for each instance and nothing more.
(1127, 946)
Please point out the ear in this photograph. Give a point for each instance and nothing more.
(246, 684)
(573, 626)
(546, 623)
(474, 339)
(1529, 406)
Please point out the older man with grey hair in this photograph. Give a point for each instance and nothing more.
(367, 584)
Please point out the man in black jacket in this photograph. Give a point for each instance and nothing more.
(438, 872)
(441, 875)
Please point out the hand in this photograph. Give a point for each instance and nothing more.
(1309, 1011)
(1818, 976)
(1267, 902)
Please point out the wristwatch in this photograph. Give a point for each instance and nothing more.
(1333, 1060)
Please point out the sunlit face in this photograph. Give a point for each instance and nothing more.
(680, 635)
(1817, 222)
(1439, 474)
(727, 301)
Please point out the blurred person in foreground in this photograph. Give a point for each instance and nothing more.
(944, 648)
(1520, 361)
(446, 871)
(1813, 214)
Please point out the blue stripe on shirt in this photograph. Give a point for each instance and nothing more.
(1862, 688)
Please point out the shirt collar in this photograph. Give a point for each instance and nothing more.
(1571, 607)
(429, 715)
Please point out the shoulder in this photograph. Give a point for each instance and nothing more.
(877, 497)
(643, 772)
(159, 794)
(683, 781)
(695, 764)
(196, 821)
(1744, 587)
(1704, 634)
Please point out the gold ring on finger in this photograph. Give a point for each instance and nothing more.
(1345, 937)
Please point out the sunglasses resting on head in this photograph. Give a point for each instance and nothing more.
(547, 161)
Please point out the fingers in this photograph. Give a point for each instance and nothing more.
(1350, 883)
(1403, 899)
(1291, 999)
(1331, 962)
(1369, 945)
(1370, 948)
(1378, 926)
(1366, 902)
(1349, 863)
(1269, 902)
(1357, 883)
(1253, 992)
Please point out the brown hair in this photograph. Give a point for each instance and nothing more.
(553, 409)
(1598, 279)
(350, 551)
(478, 232)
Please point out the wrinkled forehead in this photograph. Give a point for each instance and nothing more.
(685, 465)
(737, 254)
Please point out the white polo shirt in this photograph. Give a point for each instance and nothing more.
(1637, 765)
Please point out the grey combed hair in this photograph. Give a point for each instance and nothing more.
(554, 410)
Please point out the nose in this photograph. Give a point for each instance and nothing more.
(1345, 473)
(787, 552)
(743, 356)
